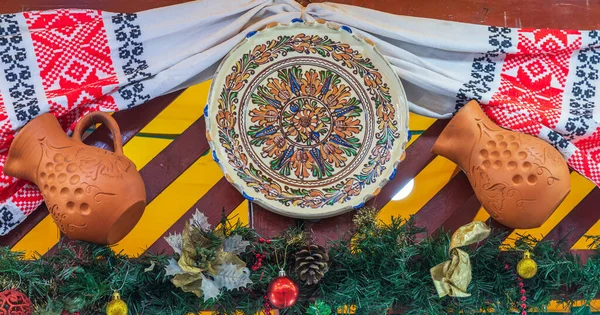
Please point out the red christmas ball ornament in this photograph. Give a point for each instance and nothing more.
(13, 302)
(283, 292)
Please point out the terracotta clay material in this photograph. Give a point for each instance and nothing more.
(519, 179)
(92, 194)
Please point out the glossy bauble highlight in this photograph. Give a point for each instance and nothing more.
(283, 292)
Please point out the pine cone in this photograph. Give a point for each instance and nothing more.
(312, 262)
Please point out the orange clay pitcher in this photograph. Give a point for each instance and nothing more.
(92, 194)
(519, 179)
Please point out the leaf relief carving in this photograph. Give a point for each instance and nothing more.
(108, 164)
(496, 196)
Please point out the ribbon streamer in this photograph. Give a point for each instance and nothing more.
(453, 276)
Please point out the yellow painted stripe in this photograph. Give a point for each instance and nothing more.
(142, 150)
(40, 239)
(241, 213)
(177, 117)
(583, 187)
(174, 119)
(554, 306)
(584, 243)
(417, 122)
(481, 215)
(190, 186)
(180, 114)
(427, 183)
(171, 204)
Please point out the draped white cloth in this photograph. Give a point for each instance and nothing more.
(433, 58)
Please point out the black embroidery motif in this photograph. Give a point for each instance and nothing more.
(16, 72)
(484, 66)
(581, 104)
(557, 140)
(7, 220)
(131, 50)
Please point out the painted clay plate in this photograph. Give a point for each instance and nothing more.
(307, 119)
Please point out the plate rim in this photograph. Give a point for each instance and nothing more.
(254, 197)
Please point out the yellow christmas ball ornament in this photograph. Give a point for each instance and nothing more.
(116, 306)
(527, 267)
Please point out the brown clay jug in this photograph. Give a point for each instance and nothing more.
(519, 179)
(92, 194)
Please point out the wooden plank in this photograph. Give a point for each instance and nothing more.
(180, 154)
(499, 227)
(572, 227)
(584, 255)
(418, 156)
(222, 197)
(441, 207)
(269, 224)
(325, 230)
(463, 215)
(164, 168)
(565, 14)
(130, 122)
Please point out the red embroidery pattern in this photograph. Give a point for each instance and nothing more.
(77, 73)
(7, 183)
(6, 128)
(28, 198)
(73, 55)
(585, 165)
(532, 81)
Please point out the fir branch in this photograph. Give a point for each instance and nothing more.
(384, 267)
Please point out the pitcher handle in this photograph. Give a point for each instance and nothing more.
(93, 117)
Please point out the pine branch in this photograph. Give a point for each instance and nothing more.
(383, 267)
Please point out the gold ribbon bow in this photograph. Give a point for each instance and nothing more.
(453, 276)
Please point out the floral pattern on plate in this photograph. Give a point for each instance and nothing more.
(306, 120)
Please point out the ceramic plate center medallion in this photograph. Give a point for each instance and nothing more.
(306, 119)
(306, 124)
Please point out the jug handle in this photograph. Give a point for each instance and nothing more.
(107, 120)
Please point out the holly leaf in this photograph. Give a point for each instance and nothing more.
(200, 221)
(232, 276)
(173, 268)
(175, 241)
(235, 245)
(209, 289)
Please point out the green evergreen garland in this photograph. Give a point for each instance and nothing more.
(382, 267)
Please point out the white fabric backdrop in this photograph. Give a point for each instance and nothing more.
(433, 58)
